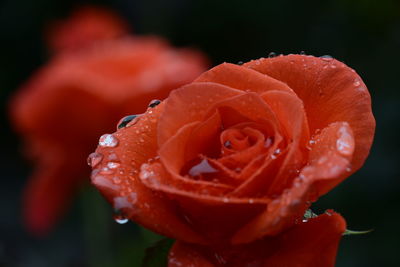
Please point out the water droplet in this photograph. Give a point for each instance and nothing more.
(345, 142)
(106, 170)
(153, 103)
(228, 144)
(108, 140)
(145, 173)
(322, 160)
(113, 165)
(272, 54)
(276, 153)
(225, 200)
(251, 201)
(220, 259)
(329, 212)
(268, 142)
(116, 180)
(118, 218)
(94, 159)
(240, 63)
(125, 120)
(326, 58)
(202, 168)
(356, 83)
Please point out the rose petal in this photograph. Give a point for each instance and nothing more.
(311, 244)
(122, 186)
(173, 154)
(242, 78)
(330, 157)
(327, 167)
(330, 91)
(290, 113)
(191, 101)
(215, 217)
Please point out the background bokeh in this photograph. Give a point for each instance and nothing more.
(365, 34)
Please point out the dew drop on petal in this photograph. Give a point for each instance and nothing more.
(202, 167)
(268, 142)
(220, 259)
(329, 212)
(356, 83)
(125, 120)
(118, 218)
(276, 153)
(108, 140)
(345, 142)
(228, 144)
(113, 165)
(153, 103)
(94, 159)
(106, 171)
(116, 180)
(272, 54)
(326, 58)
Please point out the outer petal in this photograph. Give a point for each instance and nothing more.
(331, 92)
(311, 244)
(121, 185)
(242, 78)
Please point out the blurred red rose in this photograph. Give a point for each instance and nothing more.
(239, 154)
(85, 27)
(68, 103)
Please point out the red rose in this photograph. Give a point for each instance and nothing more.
(77, 96)
(85, 27)
(239, 154)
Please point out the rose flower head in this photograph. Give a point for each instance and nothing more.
(68, 103)
(85, 27)
(237, 157)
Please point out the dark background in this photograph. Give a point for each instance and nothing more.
(365, 34)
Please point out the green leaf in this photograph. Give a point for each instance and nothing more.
(157, 255)
(310, 214)
(351, 232)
